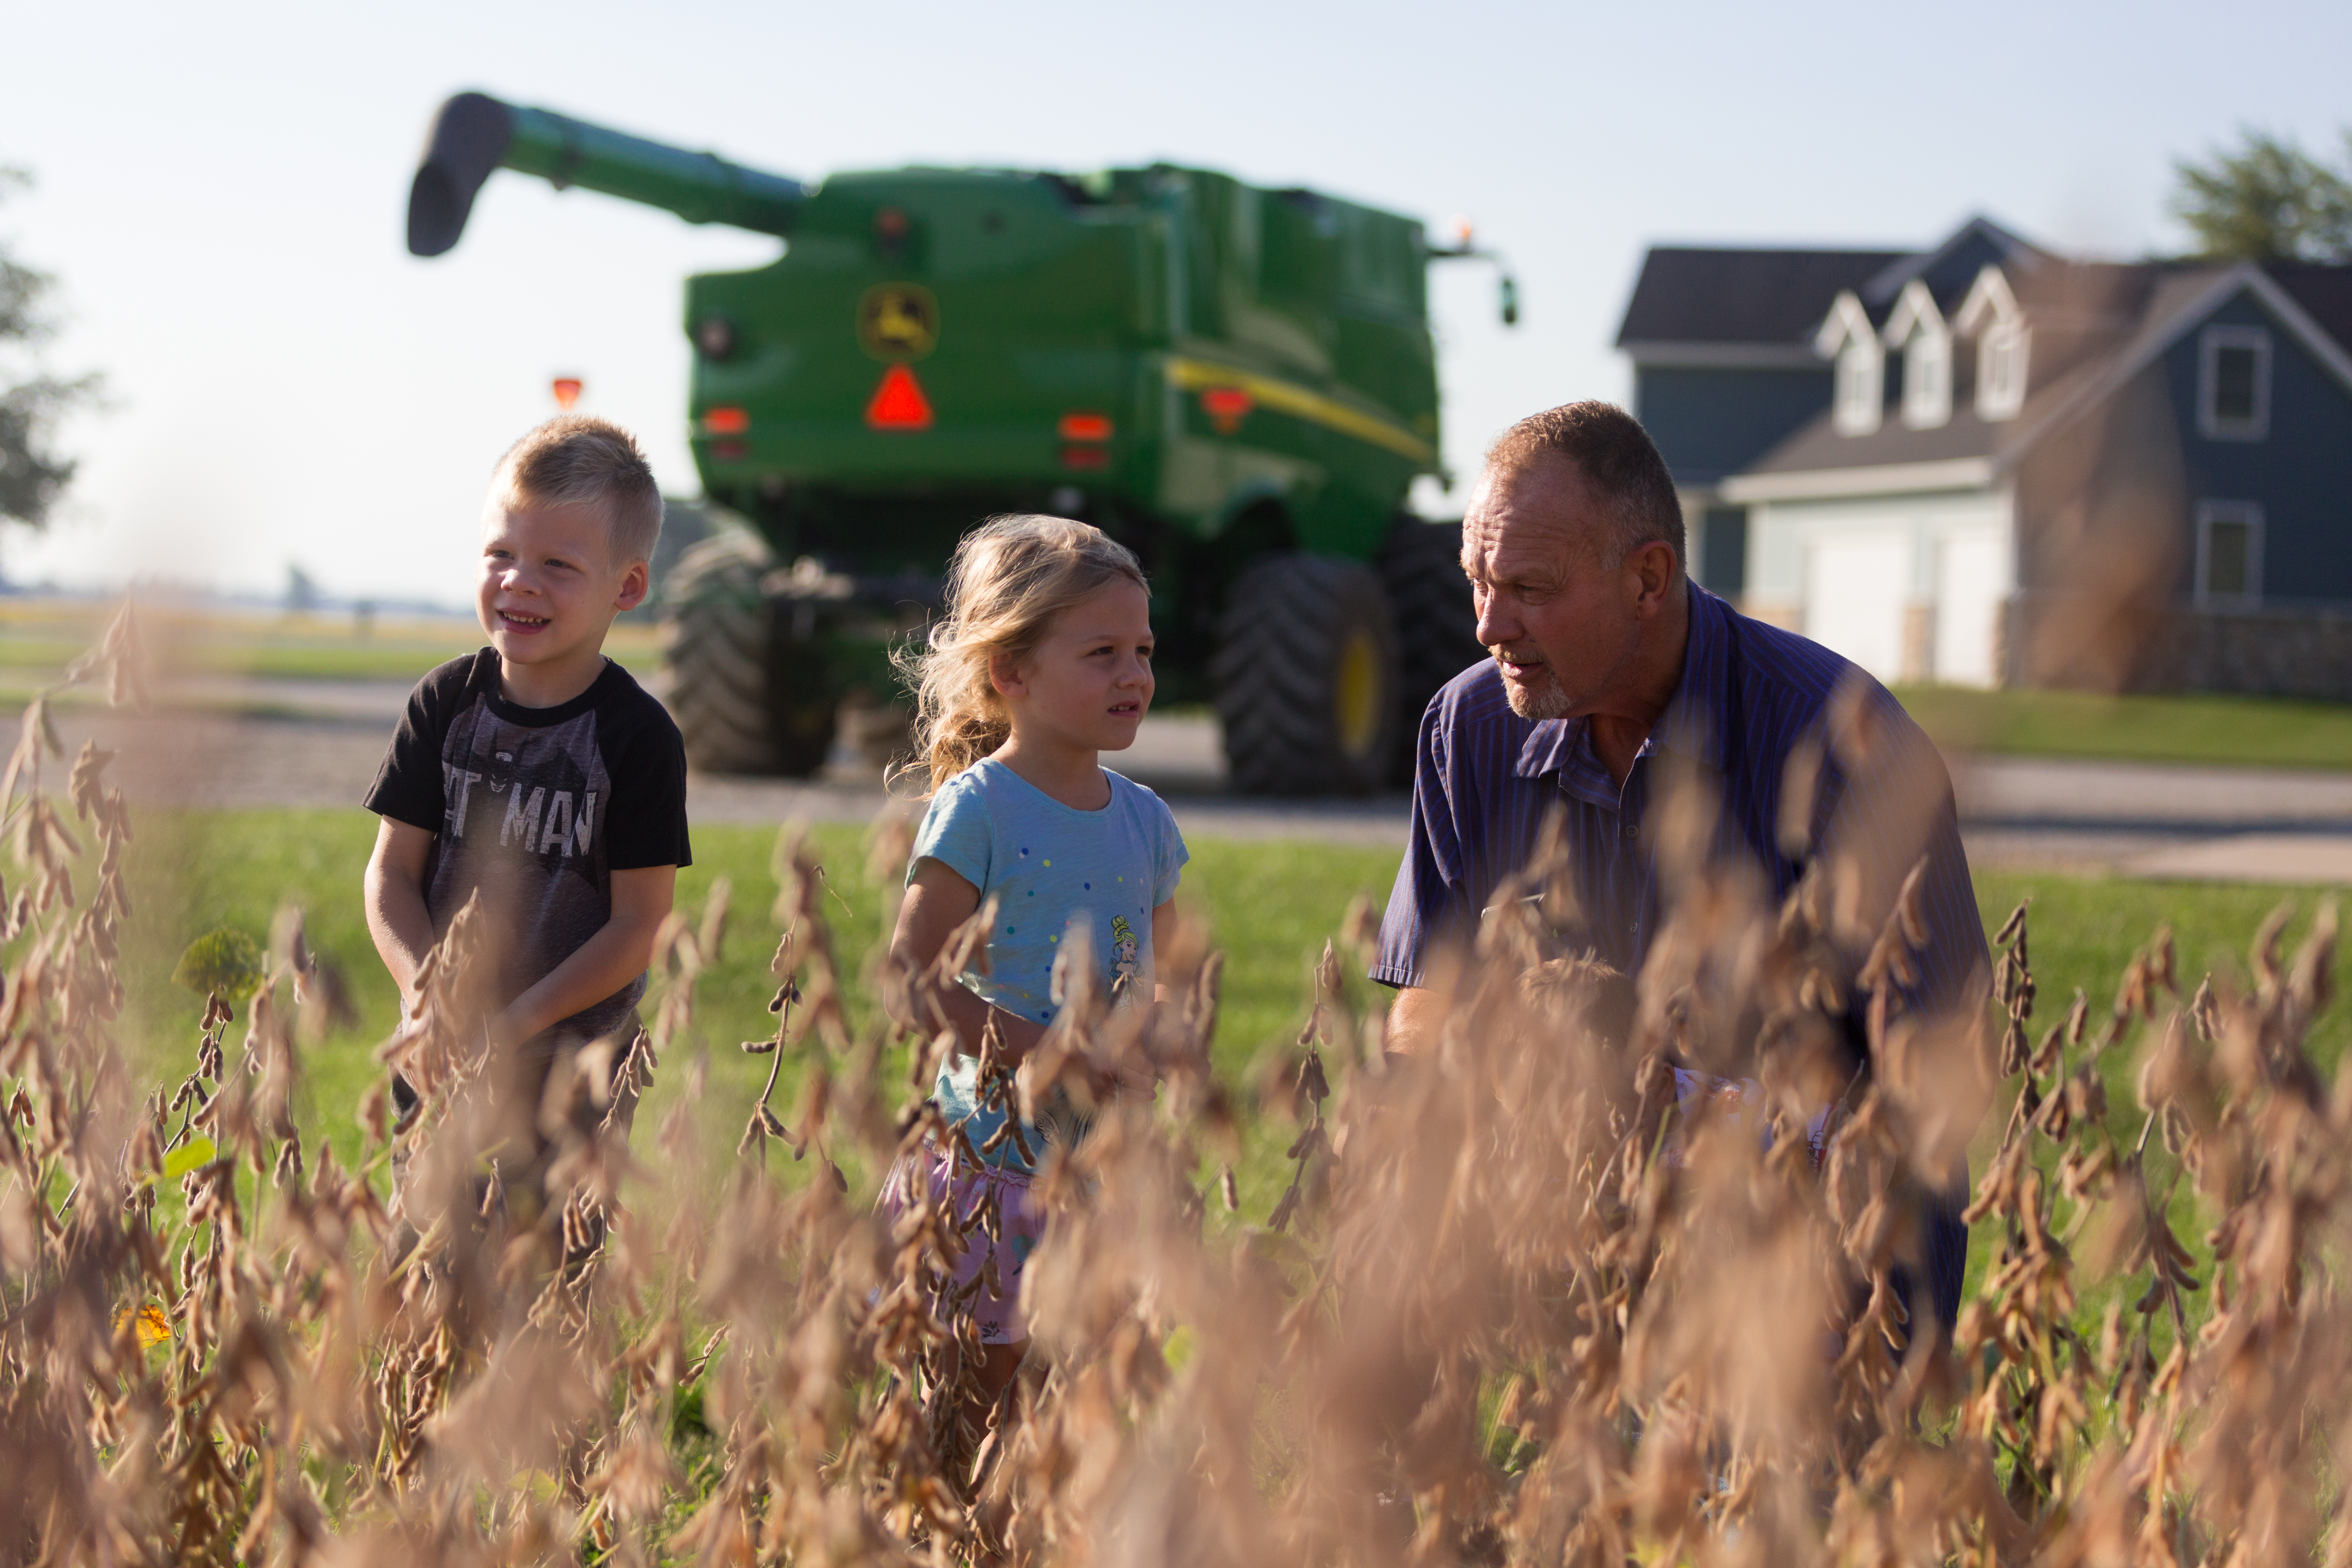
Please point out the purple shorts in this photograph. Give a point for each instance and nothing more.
(998, 1311)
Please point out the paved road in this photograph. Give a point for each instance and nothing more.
(290, 742)
(2149, 820)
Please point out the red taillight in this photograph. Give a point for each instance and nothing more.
(1085, 427)
(898, 404)
(1225, 406)
(725, 421)
(1085, 457)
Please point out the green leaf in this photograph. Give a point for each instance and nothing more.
(225, 964)
(187, 1157)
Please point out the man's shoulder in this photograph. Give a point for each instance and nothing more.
(1796, 678)
(1477, 700)
(1790, 667)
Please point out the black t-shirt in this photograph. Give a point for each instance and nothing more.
(535, 808)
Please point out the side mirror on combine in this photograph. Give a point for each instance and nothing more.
(1464, 247)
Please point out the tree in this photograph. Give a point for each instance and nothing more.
(2267, 201)
(32, 474)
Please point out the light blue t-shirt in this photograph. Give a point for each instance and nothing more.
(1052, 869)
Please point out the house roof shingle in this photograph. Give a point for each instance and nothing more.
(2101, 313)
(2092, 322)
(1694, 295)
(1952, 267)
(2324, 292)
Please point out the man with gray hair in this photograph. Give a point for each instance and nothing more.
(1612, 672)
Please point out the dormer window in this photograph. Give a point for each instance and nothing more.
(1989, 313)
(2233, 384)
(1928, 380)
(1861, 387)
(1916, 329)
(1861, 397)
(2001, 371)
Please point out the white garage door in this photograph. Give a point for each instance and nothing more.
(1856, 587)
(1971, 581)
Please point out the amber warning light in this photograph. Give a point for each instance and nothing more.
(725, 421)
(1085, 427)
(567, 391)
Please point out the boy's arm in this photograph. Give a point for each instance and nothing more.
(604, 963)
(397, 916)
(937, 901)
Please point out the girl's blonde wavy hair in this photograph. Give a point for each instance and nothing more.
(1010, 576)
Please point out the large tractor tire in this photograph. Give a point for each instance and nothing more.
(1306, 675)
(1436, 622)
(737, 682)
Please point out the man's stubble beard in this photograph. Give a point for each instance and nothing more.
(1548, 700)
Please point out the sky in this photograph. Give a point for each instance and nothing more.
(220, 193)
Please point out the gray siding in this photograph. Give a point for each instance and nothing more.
(1711, 422)
(1723, 550)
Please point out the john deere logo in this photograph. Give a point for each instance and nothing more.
(898, 321)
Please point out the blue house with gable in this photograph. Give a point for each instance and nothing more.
(1987, 463)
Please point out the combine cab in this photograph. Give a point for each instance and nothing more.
(1237, 383)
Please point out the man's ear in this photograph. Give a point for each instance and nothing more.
(635, 583)
(1654, 566)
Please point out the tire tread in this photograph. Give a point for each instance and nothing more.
(1276, 646)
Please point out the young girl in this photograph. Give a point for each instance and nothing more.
(1042, 663)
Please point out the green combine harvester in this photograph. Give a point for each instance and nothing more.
(1237, 383)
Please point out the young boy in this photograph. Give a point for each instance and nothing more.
(536, 772)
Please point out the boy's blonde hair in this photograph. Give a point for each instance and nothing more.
(578, 459)
(1010, 576)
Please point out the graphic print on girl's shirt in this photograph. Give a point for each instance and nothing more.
(1051, 869)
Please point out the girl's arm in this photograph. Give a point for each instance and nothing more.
(937, 902)
(1163, 931)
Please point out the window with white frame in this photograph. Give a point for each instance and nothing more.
(2229, 554)
(1861, 387)
(2001, 371)
(2233, 384)
(1927, 377)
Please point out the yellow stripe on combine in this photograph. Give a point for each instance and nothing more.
(1284, 397)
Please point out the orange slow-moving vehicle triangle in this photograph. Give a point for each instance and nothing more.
(898, 404)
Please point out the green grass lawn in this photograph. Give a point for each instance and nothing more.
(2239, 731)
(1271, 905)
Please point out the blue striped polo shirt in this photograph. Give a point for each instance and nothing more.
(1484, 779)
